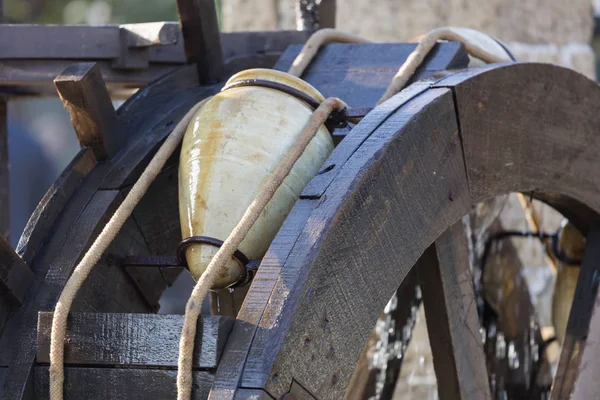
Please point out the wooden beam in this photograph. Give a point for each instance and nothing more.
(201, 37)
(84, 94)
(452, 321)
(151, 34)
(115, 383)
(327, 13)
(578, 326)
(147, 340)
(587, 384)
(15, 275)
(4, 177)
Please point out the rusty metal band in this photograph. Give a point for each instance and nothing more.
(185, 243)
(300, 95)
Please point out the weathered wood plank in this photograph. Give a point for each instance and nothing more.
(452, 321)
(44, 216)
(365, 234)
(16, 276)
(117, 384)
(370, 123)
(82, 218)
(201, 38)
(229, 371)
(74, 234)
(587, 384)
(498, 101)
(574, 345)
(133, 339)
(4, 177)
(84, 94)
(151, 34)
(65, 41)
(347, 71)
(251, 394)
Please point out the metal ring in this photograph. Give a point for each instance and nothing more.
(336, 119)
(310, 101)
(185, 243)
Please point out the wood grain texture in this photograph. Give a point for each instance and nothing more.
(229, 371)
(452, 321)
(149, 116)
(84, 94)
(4, 177)
(574, 345)
(498, 101)
(241, 51)
(48, 209)
(348, 71)
(370, 123)
(15, 275)
(117, 384)
(67, 41)
(251, 394)
(397, 193)
(133, 339)
(201, 38)
(587, 385)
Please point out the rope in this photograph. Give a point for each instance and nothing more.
(426, 44)
(314, 44)
(59, 321)
(194, 305)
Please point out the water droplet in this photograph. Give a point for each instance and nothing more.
(491, 331)
(418, 293)
(500, 346)
(513, 356)
(482, 332)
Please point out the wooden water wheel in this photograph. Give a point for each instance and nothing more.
(385, 207)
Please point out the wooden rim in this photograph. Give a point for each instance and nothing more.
(466, 138)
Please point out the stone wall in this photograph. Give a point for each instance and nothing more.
(555, 31)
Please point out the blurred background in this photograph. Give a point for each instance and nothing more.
(42, 141)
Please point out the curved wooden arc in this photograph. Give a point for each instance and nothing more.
(472, 136)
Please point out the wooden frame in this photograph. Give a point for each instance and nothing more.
(468, 137)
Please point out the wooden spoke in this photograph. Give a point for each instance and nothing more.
(574, 345)
(452, 321)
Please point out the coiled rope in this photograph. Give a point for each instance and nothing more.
(194, 304)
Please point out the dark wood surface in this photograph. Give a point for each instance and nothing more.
(347, 71)
(4, 177)
(44, 216)
(584, 300)
(498, 101)
(117, 384)
(15, 275)
(340, 275)
(142, 340)
(201, 37)
(241, 50)
(80, 221)
(229, 371)
(84, 94)
(452, 320)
